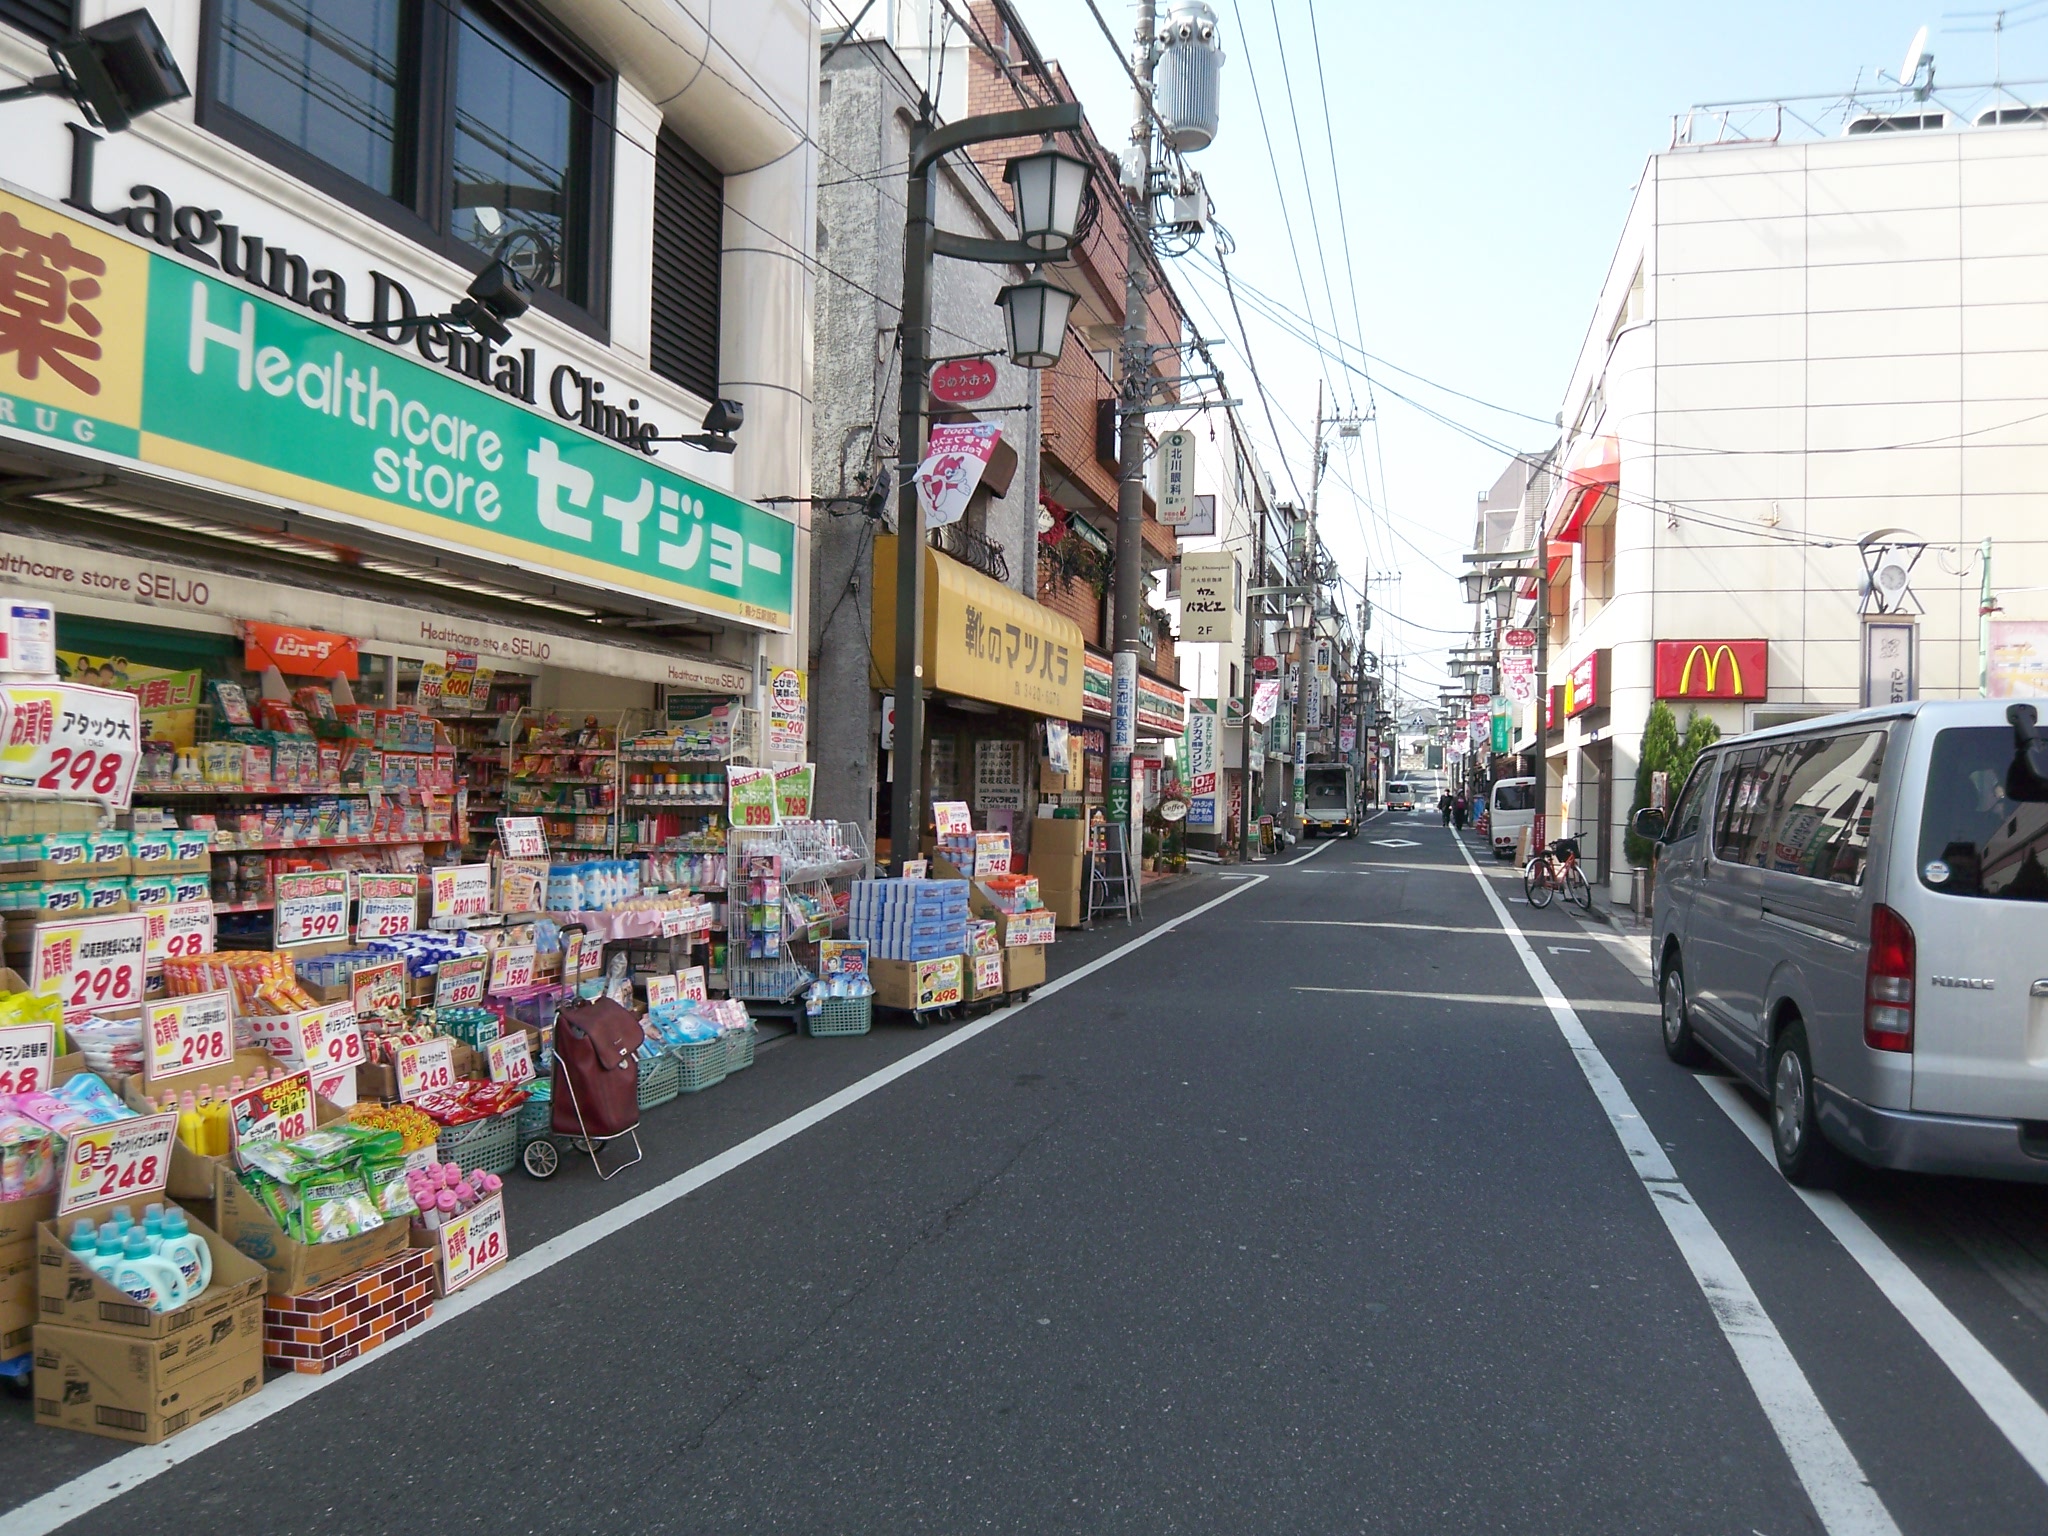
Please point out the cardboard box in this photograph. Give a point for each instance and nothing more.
(289, 1267)
(1065, 906)
(1057, 871)
(917, 984)
(17, 1297)
(1057, 836)
(321, 1329)
(20, 1218)
(1023, 967)
(71, 1296)
(143, 1392)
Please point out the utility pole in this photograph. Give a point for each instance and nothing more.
(1136, 390)
(1254, 636)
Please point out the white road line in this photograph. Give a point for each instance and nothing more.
(1304, 858)
(1826, 1467)
(2005, 1402)
(1493, 999)
(1334, 922)
(131, 1470)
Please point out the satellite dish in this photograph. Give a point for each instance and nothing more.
(1915, 51)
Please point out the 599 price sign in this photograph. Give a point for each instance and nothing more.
(68, 740)
(127, 1160)
(312, 907)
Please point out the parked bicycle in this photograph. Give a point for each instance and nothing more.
(1555, 869)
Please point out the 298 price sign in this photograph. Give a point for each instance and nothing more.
(123, 1161)
(92, 963)
(65, 739)
(188, 1034)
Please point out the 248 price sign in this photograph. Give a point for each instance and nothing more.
(123, 1161)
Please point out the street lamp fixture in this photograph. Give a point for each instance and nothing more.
(1047, 188)
(1036, 312)
(114, 71)
(1297, 615)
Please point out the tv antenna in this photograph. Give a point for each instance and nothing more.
(2022, 14)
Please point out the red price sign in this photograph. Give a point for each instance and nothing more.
(511, 1059)
(279, 1110)
(378, 988)
(188, 1034)
(427, 1067)
(473, 1244)
(72, 741)
(312, 908)
(180, 931)
(512, 968)
(27, 1052)
(386, 906)
(128, 1160)
(93, 963)
(459, 982)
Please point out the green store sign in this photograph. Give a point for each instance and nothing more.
(140, 357)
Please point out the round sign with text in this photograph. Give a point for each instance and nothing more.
(964, 380)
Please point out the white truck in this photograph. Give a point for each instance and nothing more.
(1330, 801)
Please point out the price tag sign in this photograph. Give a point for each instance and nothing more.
(128, 1160)
(27, 1053)
(386, 906)
(690, 985)
(988, 973)
(473, 1244)
(512, 967)
(332, 1038)
(843, 957)
(279, 1110)
(917, 869)
(511, 1058)
(522, 837)
(67, 740)
(582, 956)
(188, 1034)
(951, 819)
(312, 908)
(660, 990)
(459, 982)
(522, 885)
(179, 932)
(462, 890)
(427, 1067)
(1026, 928)
(674, 924)
(378, 988)
(93, 963)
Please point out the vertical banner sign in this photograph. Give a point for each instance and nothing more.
(1891, 673)
(66, 740)
(187, 1034)
(312, 908)
(955, 456)
(1123, 732)
(93, 964)
(1265, 700)
(386, 905)
(788, 711)
(27, 1054)
(1174, 484)
(127, 1160)
(1518, 664)
(1201, 779)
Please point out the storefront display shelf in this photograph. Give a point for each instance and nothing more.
(214, 791)
(225, 908)
(838, 869)
(344, 842)
(551, 779)
(653, 803)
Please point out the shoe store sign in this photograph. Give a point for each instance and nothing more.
(138, 356)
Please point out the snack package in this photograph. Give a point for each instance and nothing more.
(388, 1189)
(28, 1158)
(337, 1207)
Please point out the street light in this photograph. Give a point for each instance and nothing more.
(1047, 188)
(114, 71)
(1036, 313)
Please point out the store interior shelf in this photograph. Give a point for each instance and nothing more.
(341, 842)
(640, 801)
(216, 791)
(224, 908)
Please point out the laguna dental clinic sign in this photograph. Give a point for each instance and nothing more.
(134, 355)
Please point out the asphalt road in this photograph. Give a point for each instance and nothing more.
(1305, 1214)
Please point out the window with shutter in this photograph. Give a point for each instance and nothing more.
(47, 21)
(689, 220)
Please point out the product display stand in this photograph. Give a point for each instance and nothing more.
(565, 769)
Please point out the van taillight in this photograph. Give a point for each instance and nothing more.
(1888, 988)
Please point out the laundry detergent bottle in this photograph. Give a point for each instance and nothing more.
(187, 1252)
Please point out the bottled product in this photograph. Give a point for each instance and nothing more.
(147, 1277)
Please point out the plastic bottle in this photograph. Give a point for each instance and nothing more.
(191, 1129)
(84, 1241)
(188, 1254)
(215, 1117)
(153, 1225)
(106, 1252)
(144, 1277)
(124, 1218)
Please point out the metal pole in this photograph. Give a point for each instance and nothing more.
(1136, 392)
(1254, 628)
(906, 802)
(1539, 838)
(1985, 608)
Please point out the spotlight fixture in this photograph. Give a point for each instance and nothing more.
(114, 72)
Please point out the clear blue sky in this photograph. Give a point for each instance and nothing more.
(1487, 154)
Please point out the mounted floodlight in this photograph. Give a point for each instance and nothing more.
(1036, 311)
(724, 419)
(496, 295)
(114, 72)
(1047, 187)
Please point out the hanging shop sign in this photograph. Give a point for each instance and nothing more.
(63, 739)
(297, 652)
(146, 357)
(1201, 774)
(955, 457)
(1585, 687)
(1211, 598)
(1173, 485)
(788, 695)
(1713, 669)
(964, 380)
(981, 639)
(1265, 698)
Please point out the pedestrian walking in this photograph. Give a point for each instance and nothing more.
(1460, 810)
(1443, 805)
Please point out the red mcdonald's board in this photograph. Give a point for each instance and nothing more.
(297, 652)
(1713, 669)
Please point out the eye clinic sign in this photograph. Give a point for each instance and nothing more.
(130, 354)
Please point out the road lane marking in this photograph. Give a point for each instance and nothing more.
(1828, 1470)
(132, 1469)
(1568, 949)
(1319, 847)
(2009, 1406)
(1492, 999)
(1336, 922)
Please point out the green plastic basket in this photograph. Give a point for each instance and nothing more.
(739, 1049)
(536, 1118)
(842, 1016)
(483, 1146)
(702, 1064)
(659, 1080)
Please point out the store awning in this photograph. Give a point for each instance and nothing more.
(1593, 474)
(981, 640)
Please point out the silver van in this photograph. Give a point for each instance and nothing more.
(1852, 913)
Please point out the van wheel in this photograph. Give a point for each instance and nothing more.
(1805, 1156)
(1680, 1044)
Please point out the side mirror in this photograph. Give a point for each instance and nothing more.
(1649, 824)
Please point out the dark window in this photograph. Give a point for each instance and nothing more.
(1976, 837)
(1685, 815)
(1514, 797)
(689, 244)
(1743, 806)
(471, 127)
(1828, 801)
(47, 21)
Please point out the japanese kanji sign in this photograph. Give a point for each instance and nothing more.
(130, 354)
(78, 742)
(954, 459)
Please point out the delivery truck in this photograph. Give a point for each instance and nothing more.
(1330, 801)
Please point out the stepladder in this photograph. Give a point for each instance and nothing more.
(1114, 890)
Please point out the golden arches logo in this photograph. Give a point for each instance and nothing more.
(1712, 663)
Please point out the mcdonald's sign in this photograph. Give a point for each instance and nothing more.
(1713, 669)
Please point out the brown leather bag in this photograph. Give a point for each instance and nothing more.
(595, 1045)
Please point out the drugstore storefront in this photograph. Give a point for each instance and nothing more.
(997, 668)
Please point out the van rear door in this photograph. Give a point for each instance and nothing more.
(1976, 898)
